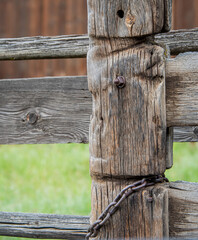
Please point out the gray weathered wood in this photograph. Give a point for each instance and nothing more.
(183, 210)
(179, 41)
(77, 46)
(64, 106)
(182, 90)
(43, 226)
(151, 222)
(128, 124)
(168, 15)
(186, 134)
(46, 110)
(126, 19)
(44, 47)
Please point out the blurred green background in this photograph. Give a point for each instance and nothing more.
(55, 178)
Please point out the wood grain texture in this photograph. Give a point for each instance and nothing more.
(47, 110)
(44, 47)
(128, 126)
(143, 215)
(182, 90)
(186, 134)
(168, 15)
(43, 226)
(105, 18)
(183, 210)
(22, 96)
(178, 41)
(77, 45)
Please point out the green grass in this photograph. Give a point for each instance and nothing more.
(185, 162)
(45, 178)
(55, 178)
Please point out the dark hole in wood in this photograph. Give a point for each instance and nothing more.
(120, 13)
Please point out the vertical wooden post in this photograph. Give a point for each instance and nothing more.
(128, 125)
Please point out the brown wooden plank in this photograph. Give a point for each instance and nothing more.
(43, 226)
(182, 90)
(183, 210)
(128, 124)
(42, 18)
(47, 110)
(135, 122)
(148, 208)
(128, 18)
(185, 14)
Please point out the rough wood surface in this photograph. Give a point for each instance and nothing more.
(183, 210)
(22, 96)
(168, 15)
(179, 41)
(43, 226)
(186, 134)
(44, 47)
(128, 125)
(148, 211)
(125, 18)
(46, 110)
(182, 90)
(77, 45)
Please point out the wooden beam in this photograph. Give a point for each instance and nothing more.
(182, 90)
(44, 110)
(178, 41)
(77, 45)
(43, 226)
(44, 47)
(126, 77)
(61, 106)
(183, 210)
(185, 134)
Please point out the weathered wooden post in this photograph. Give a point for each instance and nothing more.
(128, 134)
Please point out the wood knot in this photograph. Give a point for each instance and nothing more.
(129, 20)
(32, 118)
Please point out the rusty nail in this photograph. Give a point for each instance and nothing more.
(120, 82)
(32, 117)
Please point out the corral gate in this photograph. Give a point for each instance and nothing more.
(140, 96)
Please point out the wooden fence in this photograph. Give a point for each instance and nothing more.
(58, 109)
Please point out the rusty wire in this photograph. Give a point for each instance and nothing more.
(124, 193)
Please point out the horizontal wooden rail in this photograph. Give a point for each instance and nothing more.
(77, 45)
(44, 47)
(43, 226)
(57, 110)
(185, 134)
(179, 41)
(44, 110)
(183, 218)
